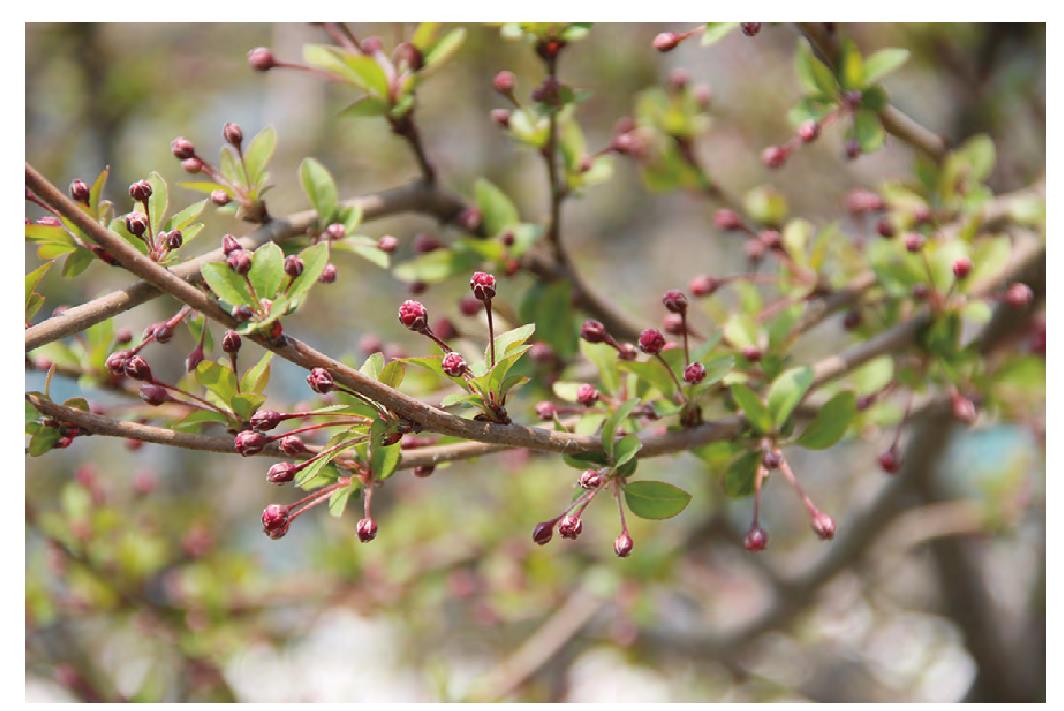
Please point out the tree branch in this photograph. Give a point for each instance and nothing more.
(436, 420)
(412, 197)
(895, 122)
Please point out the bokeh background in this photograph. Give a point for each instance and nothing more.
(183, 598)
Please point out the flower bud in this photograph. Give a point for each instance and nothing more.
(962, 268)
(1019, 295)
(366, 530)
(249, 442)
(140, 191)
(702, 286)
(425, 470)
(651, 341)
(413, 315)
(675, 301)
(543, 532)
(756, 539)
(266, 420)
(182, 148)
(823, 526)
(694, 373)
(387, 244)
(239, 261)
(231, 342)
(454, 365)
(233, 135)
(570, 527)
(482, 285)
(136, 224)
(79, 192)
(591, 479)
(546, 410)
(328, 274)
(192, 165)
(220, 198)
(667, 41)
(774, 157)
(587, 395)
(293, 265)
(153, 394)
(623, 545)
(809, 131)
(750, 28)
(275, 521)
(320, 380)
(593, 331)
(282, 472)
(291, 445)
(261, 59)
(504, 82)
(137, 368)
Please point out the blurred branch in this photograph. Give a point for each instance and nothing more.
(900, 125)
(583, 603)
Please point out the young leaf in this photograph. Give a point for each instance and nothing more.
(831, 422)
(443, 49)
(383, 460)
(507, 343)
(752, 407)
(615, 419)
(314, 260)
(882, 63)
(626, 449)
(786, 391)
(157, 201)
(226, 284)
(267, 270)
(497, 211)
(655, 499)
(258, 153)
(739, 477)
(320, 189)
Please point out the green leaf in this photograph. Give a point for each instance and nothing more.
(195, 420)
(868, 130)
(851, 66)
(752, 407)
(786, 391)
(882, 63)
(498, 212)
(605, 359)
(338, 500)
(366, 106)
(226, 284)
(766, 205)
(626, 449)
(445, 48)
(254, 379)
(831, 422)
(245, 404)
(267, 270)
(392, 374)
(588, 424)
(813, 74)
(157, 203)
(97, 190)
(740, 477)
(314, 260)
(258, 153)
(716, 31)
(186, 217)
(508, 342)
(549, 306)
(217, 378)
(425, 35)
(373, 365)
(383, 460)
(33, 300)
(42, 441)
(655, 499)
(320, 189)
(615, 419)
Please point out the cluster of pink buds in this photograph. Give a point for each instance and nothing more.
(570, 523)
